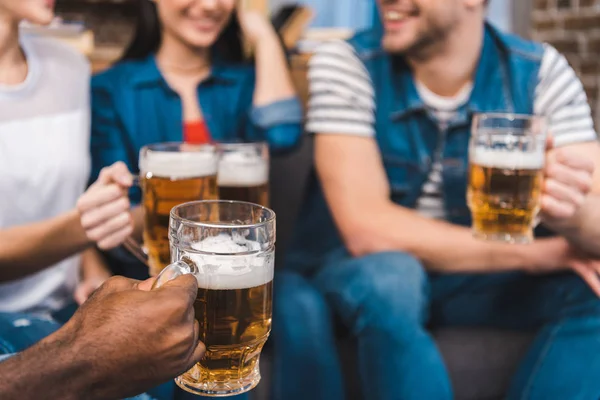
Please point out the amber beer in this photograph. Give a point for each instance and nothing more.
(244, 173)
(170, 179)
(504, 194)
(234, 310)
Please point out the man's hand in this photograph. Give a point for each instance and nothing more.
(124, 340)
(569, 178)
(104, 208)
(135, 338)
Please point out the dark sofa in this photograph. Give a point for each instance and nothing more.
(481, 362)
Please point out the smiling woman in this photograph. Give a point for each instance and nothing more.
(186, 77)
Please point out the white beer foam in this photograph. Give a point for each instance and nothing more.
(242, 169)
(179, 165)
(219, 272)
(507, 159)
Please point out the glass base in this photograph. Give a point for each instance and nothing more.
(220, 389)
(504, 237)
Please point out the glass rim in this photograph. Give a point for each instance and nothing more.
(270, 213)
(233, 144)
(508, 116)
(177, 147)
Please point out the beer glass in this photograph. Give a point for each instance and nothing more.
(244, 172)
(230, 248)
(506, 160)
(172, 174)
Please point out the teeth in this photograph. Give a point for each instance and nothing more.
(395, 16)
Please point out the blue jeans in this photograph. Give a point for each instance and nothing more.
(387, 301)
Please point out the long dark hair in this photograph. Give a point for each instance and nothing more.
(147, 37)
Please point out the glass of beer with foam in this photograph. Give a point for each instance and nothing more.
(507, 155)
(244, 172)
(172, 174)
(230, 248)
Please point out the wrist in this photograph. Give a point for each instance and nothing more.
(545, 254)
(76, 231)
(266, 40)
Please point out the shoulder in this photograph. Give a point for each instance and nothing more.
(367, 44)
(518, 46)
(58, 56)
(339, 55)
(113, 77)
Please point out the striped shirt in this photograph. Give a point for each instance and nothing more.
(343, 102)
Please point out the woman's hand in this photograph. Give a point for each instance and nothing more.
(255, 27)
(104, 208)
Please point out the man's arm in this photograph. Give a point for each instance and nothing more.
(567, 208)
(51, 367)
(103, 351)
(357, 191)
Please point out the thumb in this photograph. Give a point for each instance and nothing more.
(116, 173)
(118, 284)
(146, 285)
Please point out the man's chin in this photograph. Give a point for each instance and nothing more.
(394, 45)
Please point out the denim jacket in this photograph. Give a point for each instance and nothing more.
(408, 136)
(132, 106)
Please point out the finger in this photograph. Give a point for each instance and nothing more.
(110, 226)
(183, 285)
(564, 193)
(199, 349)
(590, 276)
(556, 209)
(116, 173)
(99, 215)
(116, 238)
(117, 284)
(99, 196)
(549, 142)
(146, 285)
(575, 161)
(578, 178)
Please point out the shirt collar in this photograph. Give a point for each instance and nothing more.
(488, 75)
(148, 73)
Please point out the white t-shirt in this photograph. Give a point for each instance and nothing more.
(342, 102)
(44, 161)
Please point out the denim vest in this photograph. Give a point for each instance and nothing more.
(408, 135)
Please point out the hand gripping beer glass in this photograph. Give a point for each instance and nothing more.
(507, 154)
(244, 172)
(230, 248)
(170, 174)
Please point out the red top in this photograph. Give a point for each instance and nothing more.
(196, 132)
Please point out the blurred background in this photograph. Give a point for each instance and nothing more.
(100, 28)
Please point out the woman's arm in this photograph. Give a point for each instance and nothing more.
(273, 79)
(27, 249)
(276, 114)
(102, 216)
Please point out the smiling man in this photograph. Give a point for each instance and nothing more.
(384, 242)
